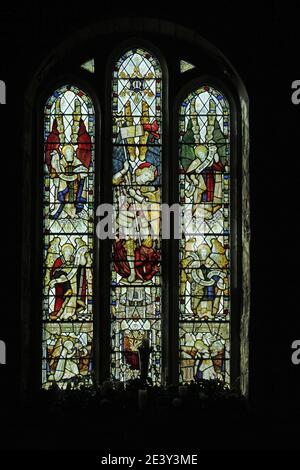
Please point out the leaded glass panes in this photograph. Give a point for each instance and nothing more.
(186, 66)
(136, 270)
(204, 187)
(89, 65)
(69, 132)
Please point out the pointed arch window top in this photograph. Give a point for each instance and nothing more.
(138, 62)
(206, 99)
(137, 80)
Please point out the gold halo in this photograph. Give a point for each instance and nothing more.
(201, 149)
(65, 147)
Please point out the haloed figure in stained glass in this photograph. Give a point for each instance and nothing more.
(70, 276)
(68, 353)
(203, 356)
(68, 163)
(205, 186)
(203, 163)
(203, 267)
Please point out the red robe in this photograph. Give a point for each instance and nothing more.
(132, 357)
(146, 263)
(60, 288)
(63, 289)
(120, 259)
(209, 178)
(84, 149)
(52, 144)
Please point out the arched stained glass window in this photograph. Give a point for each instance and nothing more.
(204, 326)
(136, 273)
(69, 133)
(108, 305)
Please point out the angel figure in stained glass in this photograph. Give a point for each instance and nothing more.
(203, 163)
(68, 163)
(68, 181)
(68, 358)
(210, 357)
(205, 182)
(203, 269)
(71, 278)
(138, 201)
(203, 357)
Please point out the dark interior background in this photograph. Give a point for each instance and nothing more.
(263, 44)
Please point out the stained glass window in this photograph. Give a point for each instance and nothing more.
(69, 132)
(136, 162)
(204, 300)
(200, 306)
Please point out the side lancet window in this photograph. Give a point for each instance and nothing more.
(204, 301)
(136, 162)
(68, 227)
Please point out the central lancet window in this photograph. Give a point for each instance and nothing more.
(199, 314)
(137, 158)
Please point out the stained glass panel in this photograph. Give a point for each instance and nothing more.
(204, 351)
(185, 66)
(68, 238)
(89, 65)
(136, 162)
(204, 188)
